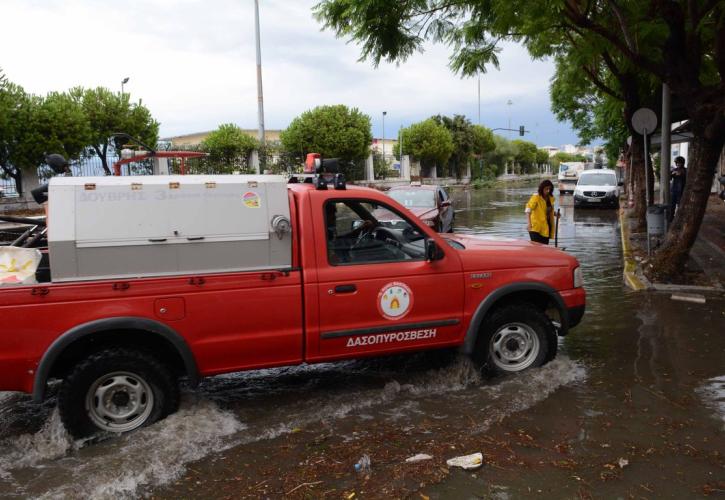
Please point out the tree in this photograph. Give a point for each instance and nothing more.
(32, 127)
(482, 140)
(466, 140)
(524, 154)
(429, 143)
(229, 148)
(679, 43)
(542, 157)
(108, 113)
(334, 132)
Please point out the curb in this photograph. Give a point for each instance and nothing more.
(630, 266)
(635, 280)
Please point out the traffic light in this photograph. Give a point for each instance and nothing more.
(521, 130)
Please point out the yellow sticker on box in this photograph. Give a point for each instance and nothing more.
(251, 199)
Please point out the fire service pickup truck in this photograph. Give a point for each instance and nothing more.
(147, 280)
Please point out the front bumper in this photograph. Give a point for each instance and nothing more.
(575, 314)
(609, 200)
(575, 305)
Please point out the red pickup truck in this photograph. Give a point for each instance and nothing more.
(363, 278)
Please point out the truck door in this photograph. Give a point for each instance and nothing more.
(377, 292)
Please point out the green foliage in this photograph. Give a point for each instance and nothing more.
(524, 154)
(110, 112)
(381, 167)
(228, 148)
(542, 156)
(502, 154)
(33, 126)
(333, 131)
(428, 142)
(469, 142)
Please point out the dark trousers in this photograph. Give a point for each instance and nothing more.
(536, 237)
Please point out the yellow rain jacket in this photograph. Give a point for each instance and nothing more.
(537, 205)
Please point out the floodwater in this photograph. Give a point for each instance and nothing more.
(633, 406)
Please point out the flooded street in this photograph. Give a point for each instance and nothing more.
(633, 406)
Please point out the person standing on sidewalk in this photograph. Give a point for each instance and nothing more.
(540, 213)
(679, 177)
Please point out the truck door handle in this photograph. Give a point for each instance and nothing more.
(345, 289)
(195, 238)
(157, 240)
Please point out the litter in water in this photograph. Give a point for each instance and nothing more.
(467, 462)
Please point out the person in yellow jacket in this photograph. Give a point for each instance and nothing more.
(540, 213)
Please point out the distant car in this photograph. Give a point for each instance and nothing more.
(597, 188)
(429, 203)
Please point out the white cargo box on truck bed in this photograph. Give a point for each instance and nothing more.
(135, 226)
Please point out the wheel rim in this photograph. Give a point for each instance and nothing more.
(119, 401)
(514, 347)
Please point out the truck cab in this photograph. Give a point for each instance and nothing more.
(203, 275)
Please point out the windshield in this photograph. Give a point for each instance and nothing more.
(598, 180)
(422, 198)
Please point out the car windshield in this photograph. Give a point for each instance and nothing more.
(422, 198)
(598, 180)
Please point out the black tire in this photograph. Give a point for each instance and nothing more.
(513, 338)
(138, 390)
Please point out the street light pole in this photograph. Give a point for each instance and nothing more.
(480, 160)
(384, 113)
(479, 101)
(260, 98)
(123, 82)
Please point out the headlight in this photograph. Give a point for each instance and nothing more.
(578, 277)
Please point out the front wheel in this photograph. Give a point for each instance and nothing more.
(514, 338)
(116, 390)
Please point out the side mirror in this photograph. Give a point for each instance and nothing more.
(620, 183)
(432, 252)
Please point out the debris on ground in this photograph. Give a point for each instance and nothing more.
(467, 462)
(363, 465)
(689, 297)
(418, 458)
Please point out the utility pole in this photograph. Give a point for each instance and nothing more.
(260, 98)
(480, 159)
(509, 103)
(384, 113)
(479, 101)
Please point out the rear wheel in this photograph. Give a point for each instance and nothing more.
(514, 338)
(116, 390)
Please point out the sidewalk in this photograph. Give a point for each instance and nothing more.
(705, 268)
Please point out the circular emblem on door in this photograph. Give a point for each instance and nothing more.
(395, 300)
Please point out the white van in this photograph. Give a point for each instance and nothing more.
(598, 187)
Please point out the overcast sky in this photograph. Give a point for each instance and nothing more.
(192, 63)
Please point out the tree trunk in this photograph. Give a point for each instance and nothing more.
(672, 255)
(102, 156)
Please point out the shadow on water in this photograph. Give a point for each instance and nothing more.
(641, 379)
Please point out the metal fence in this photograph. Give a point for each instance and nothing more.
(84, 167)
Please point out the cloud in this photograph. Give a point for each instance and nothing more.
(193, 63)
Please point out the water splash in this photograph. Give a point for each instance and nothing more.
(118, 467)
(28, 450)
(525, 390)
